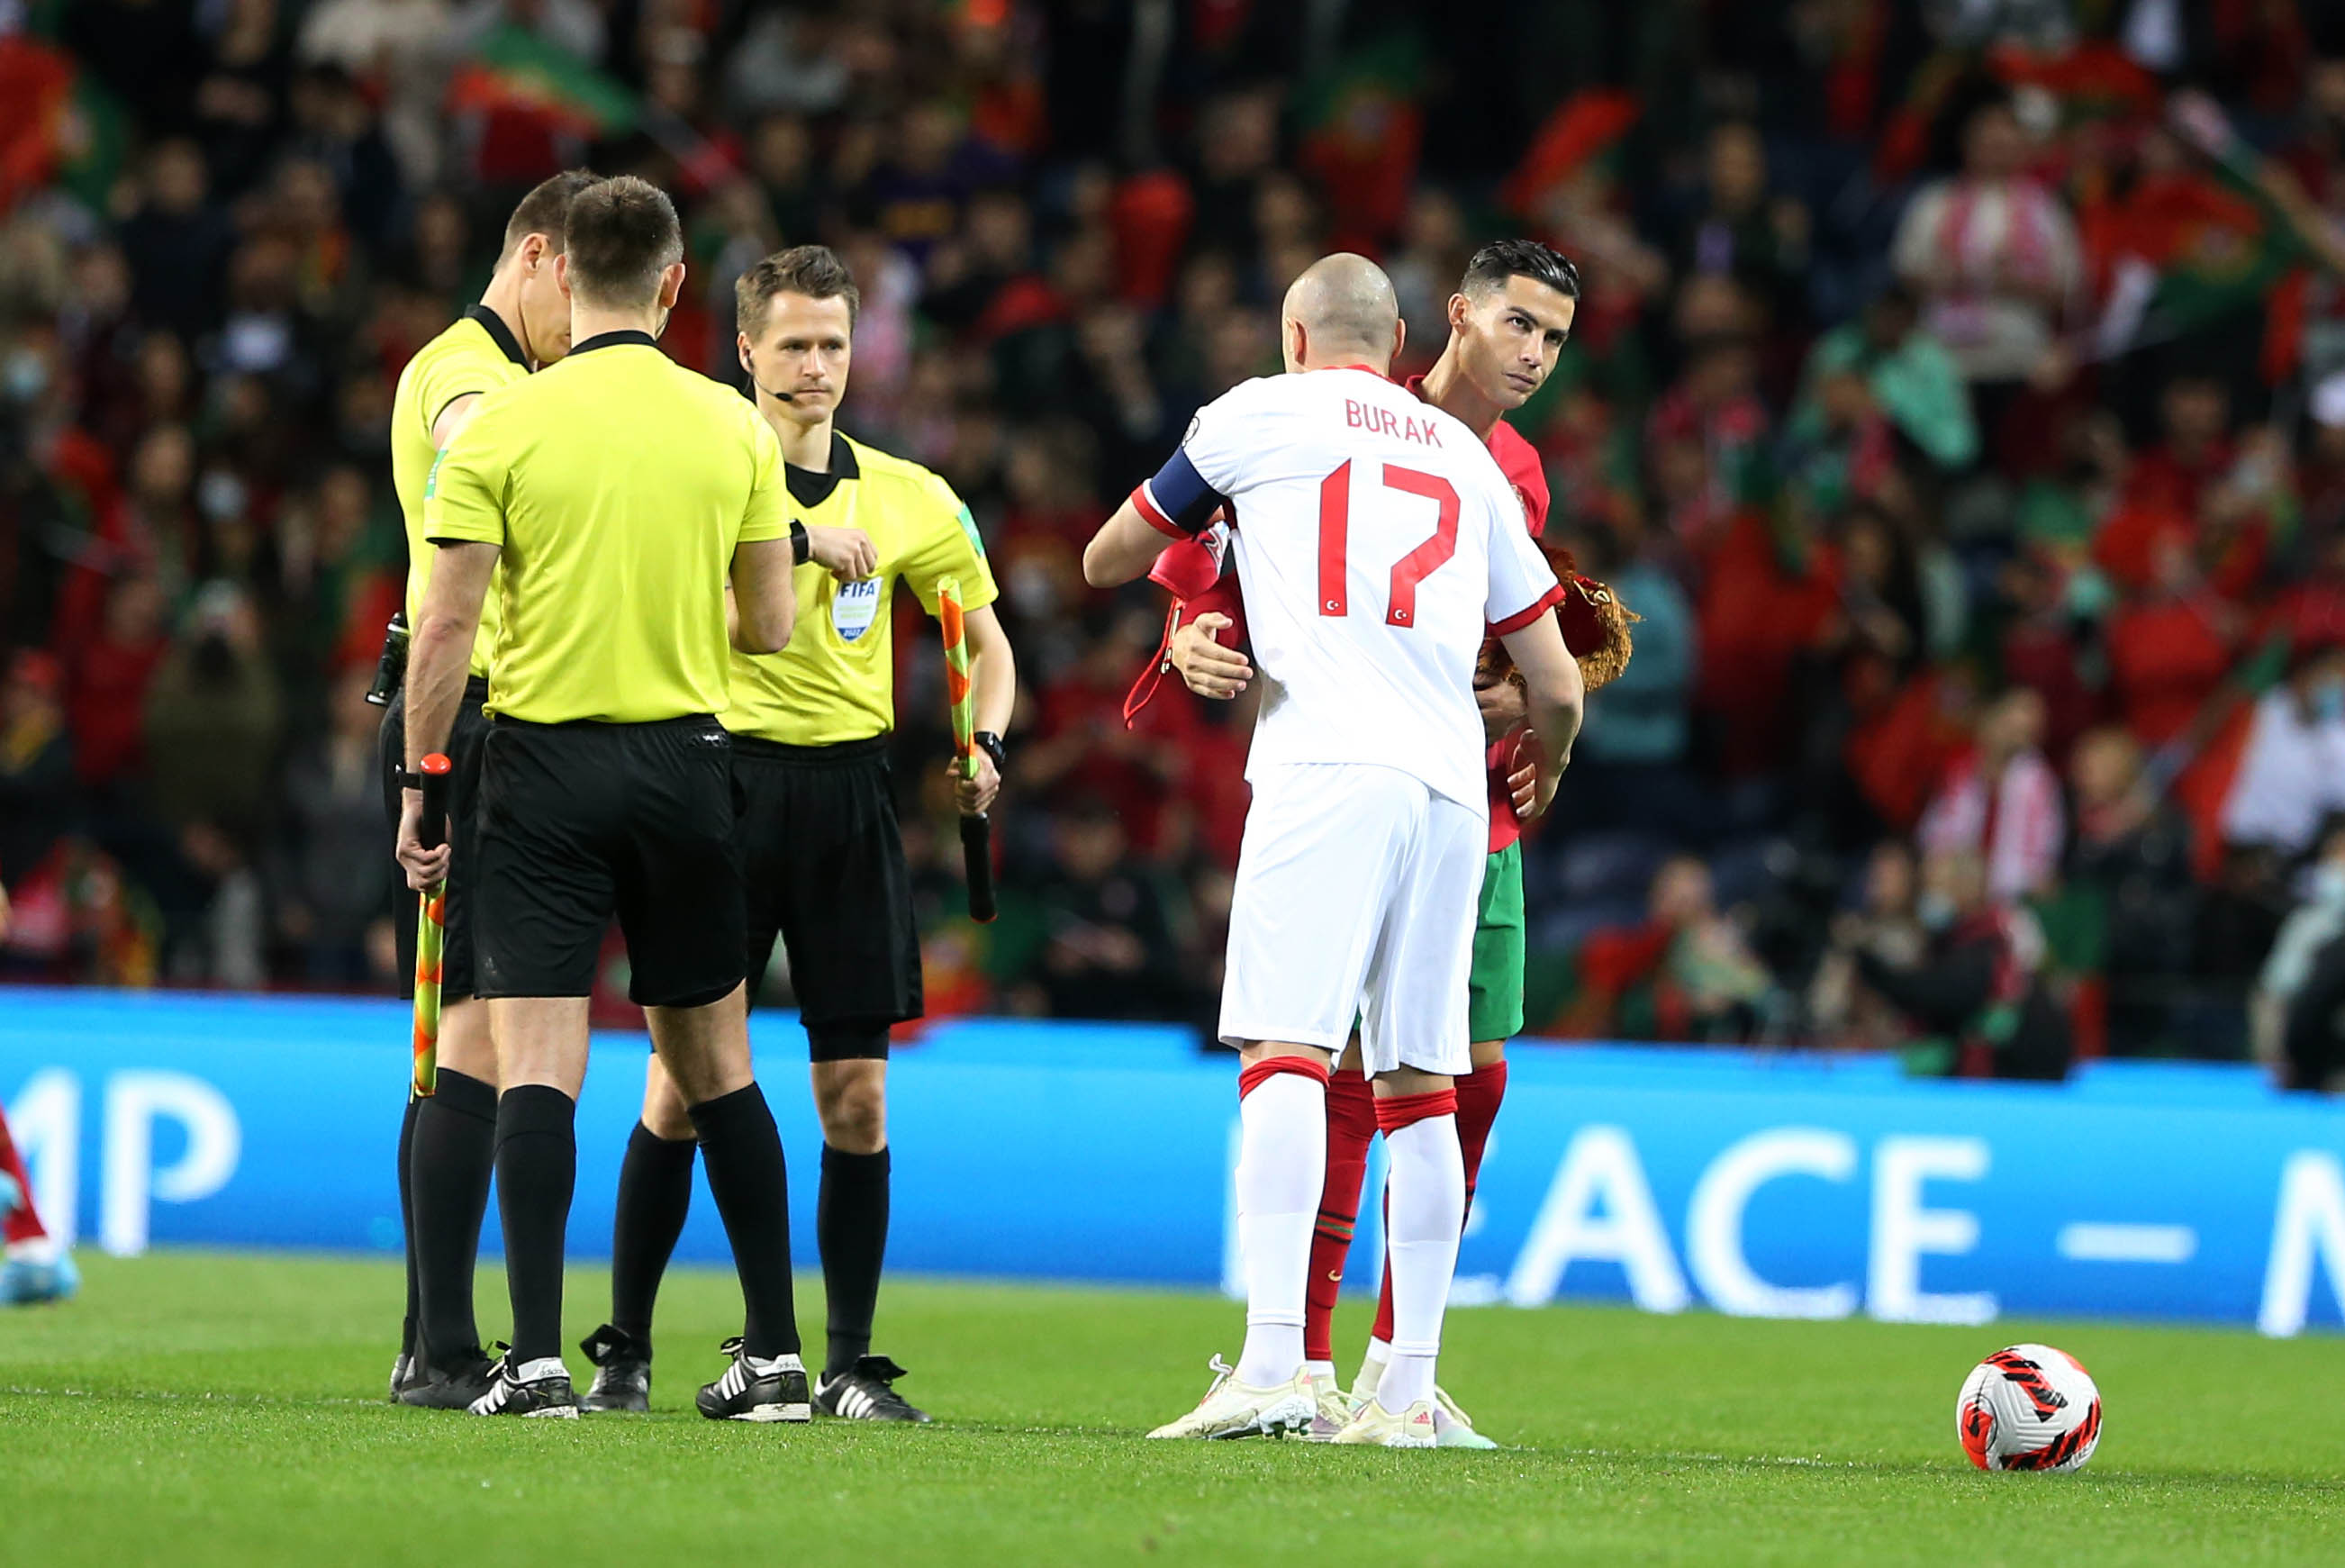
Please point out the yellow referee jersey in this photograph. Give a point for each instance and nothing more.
(477, 354)
(617, 483)
(837, 680)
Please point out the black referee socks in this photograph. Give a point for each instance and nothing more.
(654, 1196)
(407, 1225)
(537, 1167)
(851, 1224)
(751, 1186)
(454, 1153)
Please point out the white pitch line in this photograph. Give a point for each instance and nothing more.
(2128, 1243)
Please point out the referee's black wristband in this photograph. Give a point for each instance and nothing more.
(801, 544)
(991, 744)
(409, 779)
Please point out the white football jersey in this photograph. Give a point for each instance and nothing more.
(1375, 540)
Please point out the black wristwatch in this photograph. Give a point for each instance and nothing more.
(801, 544)
(409, 779)
(991, 744)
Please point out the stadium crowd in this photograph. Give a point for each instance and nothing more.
(1958, 395)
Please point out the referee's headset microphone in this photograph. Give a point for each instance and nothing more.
(751, 371)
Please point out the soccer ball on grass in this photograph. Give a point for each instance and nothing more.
(2029, 1407)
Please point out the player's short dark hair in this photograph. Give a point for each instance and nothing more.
(546, 209)
(814, 270)
(622, 234)
(1504, 259)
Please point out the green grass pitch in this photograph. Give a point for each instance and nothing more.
(203, 1407)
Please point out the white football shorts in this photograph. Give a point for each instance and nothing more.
(1357, 891)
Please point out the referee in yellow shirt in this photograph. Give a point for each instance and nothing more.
(446, 1142)
(826, 867)
(614, 495)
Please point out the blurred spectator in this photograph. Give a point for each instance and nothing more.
(2293, 774)
(178, 244)
(1977, 984)
(1739, 229)
(2169, 479)
(2170, 649)
(2299, 1010)
(1698, 977)
(78, 919)
(2224, 499)
(336, 128)
(790, 58)
(1885, 925)
(1424, 273)
(2240, 917)
(2131, 858)
(1629, 764)
(1108, 950)
(212, 716)
(2045, 644)
(1082, 747)
(334, 882)
(401, 49)
(1714, 406)
(36, 762)
(1885, 362)
(1237, 141)
(2002, 803)
(239, 100)
(1715, 984)
(1992, 254)
(108, 689)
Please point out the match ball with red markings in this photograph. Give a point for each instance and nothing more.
(2029, 1407)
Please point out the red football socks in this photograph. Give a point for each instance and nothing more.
(1351, 1126)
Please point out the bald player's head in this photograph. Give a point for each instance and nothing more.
(1341, 311)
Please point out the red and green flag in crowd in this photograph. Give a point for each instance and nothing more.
(1362, 131)
(1587, 127)
(512, 70)
(536, 92)
(57, 127)
(2233, 258)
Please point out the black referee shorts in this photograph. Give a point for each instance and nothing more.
(825, 865)
(582, 821)
(457, 975)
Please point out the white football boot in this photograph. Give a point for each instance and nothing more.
(1331, 1410)
(1374, 1426)
(1232, 1410)
(1453, 1428)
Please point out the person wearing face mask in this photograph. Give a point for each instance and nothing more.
(2294, 1017)
(2292, 774)
(1977, 984)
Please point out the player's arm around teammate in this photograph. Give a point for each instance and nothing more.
(825, 865)
(619, 492)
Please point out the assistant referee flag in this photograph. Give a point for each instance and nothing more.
(595, 537)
